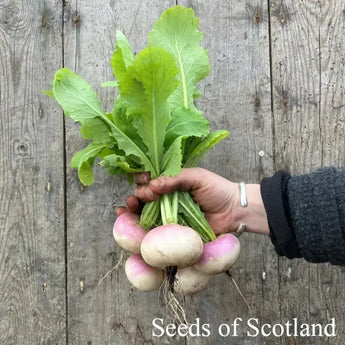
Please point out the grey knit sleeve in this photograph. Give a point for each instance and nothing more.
(317, 214)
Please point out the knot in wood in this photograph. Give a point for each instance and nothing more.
(76, 19)
(257, 17)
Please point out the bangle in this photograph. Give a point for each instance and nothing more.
(243, 195)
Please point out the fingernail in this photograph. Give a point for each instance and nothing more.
(146, 179)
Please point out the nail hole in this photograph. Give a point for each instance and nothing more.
(22, 147)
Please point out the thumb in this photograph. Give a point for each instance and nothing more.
(188, 179)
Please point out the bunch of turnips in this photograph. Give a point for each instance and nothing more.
(155, 127)
(172, 245)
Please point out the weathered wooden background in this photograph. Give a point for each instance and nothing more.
(277, 83)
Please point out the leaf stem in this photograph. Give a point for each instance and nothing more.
(185, 96)
(195, 217)
(167, 213)
(174, 205)
(150, 214)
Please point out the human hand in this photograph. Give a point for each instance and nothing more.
(218, 198)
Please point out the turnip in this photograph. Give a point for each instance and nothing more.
(172, 245)
(189, 281)
(128, 233)
(219, 255)
(141, 275)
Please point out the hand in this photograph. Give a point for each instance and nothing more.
(218, 198)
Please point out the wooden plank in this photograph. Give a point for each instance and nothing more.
(237, 96)
(114, 313)
(32, 280)
(308, 85)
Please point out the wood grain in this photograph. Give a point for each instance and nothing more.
(32, 267)
(308, 93)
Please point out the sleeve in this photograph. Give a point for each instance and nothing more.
(273, 192)
(306, 214)
(317, 208)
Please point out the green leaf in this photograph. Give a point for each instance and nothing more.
(109, 163)
(190, 144)
(206, 144)
(153, 79)
(105, 152)
(114, 170)
(114, 160)
(85, 174)
(89, 152)
(186, 123)
(177, 32)
(125, 122)
(49, 93)
(197, 94)
(123, 56)
(172, 159)
(110, 84)
(76, 97)
(80, 102)
(98, 131)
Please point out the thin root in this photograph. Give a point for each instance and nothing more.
(228, 273)
(174, 308)
(115, 268)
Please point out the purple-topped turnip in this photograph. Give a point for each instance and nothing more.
(141, 275)
(128, 233)
(219, 255)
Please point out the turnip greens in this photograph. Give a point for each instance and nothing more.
(155, 125)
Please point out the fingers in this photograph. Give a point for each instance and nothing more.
(121, 210)
(145, 193)
(133, 204)
(188, 180)
(141, 178)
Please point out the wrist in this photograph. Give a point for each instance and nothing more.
(254, 215)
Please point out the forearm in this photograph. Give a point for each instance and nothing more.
(254, 215)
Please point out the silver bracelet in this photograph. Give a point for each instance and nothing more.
(243, 195)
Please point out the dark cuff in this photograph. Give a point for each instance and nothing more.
(317, 205)
(273, 193)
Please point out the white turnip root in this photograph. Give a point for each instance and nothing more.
(128, 233)
(141, 275)
(219, 255)
(189, 281)
(172, 245)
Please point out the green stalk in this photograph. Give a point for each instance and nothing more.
(150, 215)
(194, 217)
(168, 216)
(174, 205)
